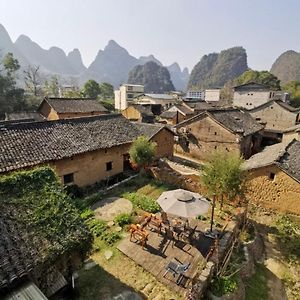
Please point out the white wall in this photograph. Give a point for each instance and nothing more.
(250, 99)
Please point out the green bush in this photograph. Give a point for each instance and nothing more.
(110, 237)
(87, 214)
(97, 227)
(224, 285)
(123, 219)
(143, 202)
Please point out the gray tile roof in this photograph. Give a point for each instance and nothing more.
(235, 120)
(290, 160)
(29, 144)
(24, 115)
(168, 114)
(144, 110)
(251, 86)
(285, 156)
(279, 102)
(268, 156)
(75, 105)
(149, 130)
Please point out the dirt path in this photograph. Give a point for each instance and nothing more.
(273, 260)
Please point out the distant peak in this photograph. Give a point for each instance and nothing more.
(112, 44)
(4, 36)
(23, 38)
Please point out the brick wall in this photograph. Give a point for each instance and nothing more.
(281, 193)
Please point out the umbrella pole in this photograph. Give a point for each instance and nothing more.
(212, 213)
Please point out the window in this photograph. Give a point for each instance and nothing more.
(272, 176)
(68, 178)
(216, 147)
(215, 133)
(258, 119)
(109, 166)
(129, 96)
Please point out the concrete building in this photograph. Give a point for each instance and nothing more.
(227, 129)
(251, 95)
(126, 93)
(68, 108)
(274, 177)
(212, 95)
(195, 95)
(82, 151)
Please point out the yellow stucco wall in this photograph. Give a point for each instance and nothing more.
(281, 193)
(90, 167)
(132, 113)
(48, 112)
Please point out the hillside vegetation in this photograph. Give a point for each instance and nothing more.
(215, 69)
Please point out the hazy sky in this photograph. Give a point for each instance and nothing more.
(172, 30)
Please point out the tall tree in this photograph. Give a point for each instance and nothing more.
(33, 80)
(263, 77)
(52, 87)
(11, 97)
(106, 91)
(142, 152)
(91, 89)
(222, 175)
(293, 88)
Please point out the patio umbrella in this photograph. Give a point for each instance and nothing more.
(183, 203)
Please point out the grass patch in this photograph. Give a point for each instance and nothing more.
(143, 202)
(123, 219)
(256, 286)
(224, 285)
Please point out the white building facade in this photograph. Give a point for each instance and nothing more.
(126, 93)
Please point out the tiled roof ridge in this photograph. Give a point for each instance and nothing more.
(61, 121)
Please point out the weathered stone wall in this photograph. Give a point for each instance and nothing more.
(277, 117)
(203, 137)
(90, 167)
(165, 143)
(281, 193)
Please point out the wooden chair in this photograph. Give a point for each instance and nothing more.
(164, 219)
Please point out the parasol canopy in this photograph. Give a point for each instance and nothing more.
(183, 203)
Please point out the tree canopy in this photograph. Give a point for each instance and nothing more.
(142, 152)
(106, 91)
(293, 88)
(222, 175)
(263, 77)
(11, 97)
(91, 89)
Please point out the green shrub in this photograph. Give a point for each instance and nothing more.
(143, 202)
(110, 237)
(123, 219)
(97, 227)
(224, 285)
(201, 218)
(87, 214)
